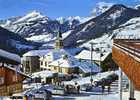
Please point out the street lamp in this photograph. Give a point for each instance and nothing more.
(91, 79)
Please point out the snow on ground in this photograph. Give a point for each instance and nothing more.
(9, 55)
(91, 96)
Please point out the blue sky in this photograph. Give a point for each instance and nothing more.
(53, 8)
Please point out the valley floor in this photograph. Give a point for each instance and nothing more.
(93, 96)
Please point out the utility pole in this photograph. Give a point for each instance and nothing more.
(91, 62)
(100, 55)
(131, 91)
(120, 84)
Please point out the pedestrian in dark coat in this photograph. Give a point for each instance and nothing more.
(103, 88)
(78, 89)
(108, 88)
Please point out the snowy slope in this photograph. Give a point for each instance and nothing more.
(104, 24)
(41, 38)
(130, 29)
(30, 17)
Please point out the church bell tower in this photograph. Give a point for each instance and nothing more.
(59, 41)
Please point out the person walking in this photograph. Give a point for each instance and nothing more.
(108, 89)
(78, 89)
(103, 88)
(67, 89)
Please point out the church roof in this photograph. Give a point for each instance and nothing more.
(65, 62)
(71, 62)
(56, 54)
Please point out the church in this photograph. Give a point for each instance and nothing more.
(61, 61)
(57, 60)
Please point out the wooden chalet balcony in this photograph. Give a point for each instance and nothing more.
(126, 53)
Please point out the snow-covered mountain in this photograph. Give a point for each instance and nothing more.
(12, 42)
(112, 21)
(107, 23)
(101, 7)
(34, 23)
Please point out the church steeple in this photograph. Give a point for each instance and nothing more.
(59, 41)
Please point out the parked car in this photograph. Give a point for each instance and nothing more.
(86, 87)
(39, 94)
(17, 97)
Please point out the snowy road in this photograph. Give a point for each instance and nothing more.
(92, 96)
(97, 95)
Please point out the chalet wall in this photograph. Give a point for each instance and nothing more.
(64, 70)
(129, 66)
(12, 81)
(31, 64)
(10, 89)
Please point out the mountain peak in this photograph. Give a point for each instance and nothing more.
(101, 7)
(119, 6)
(34, 13)
(30, 16)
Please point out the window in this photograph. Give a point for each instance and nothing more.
(15, 78)
(1, 80)
(45, 63)
(55, 68)
(41, 62)
(60, 69)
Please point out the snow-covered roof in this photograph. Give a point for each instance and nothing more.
(10, 56)
(86, 54)
(44, 74)
(39, 53)
(68, 62)
(72, 62)
(86, 80)
(87, 67)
